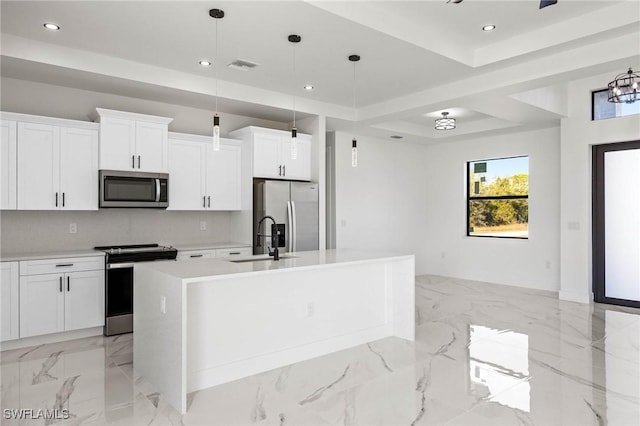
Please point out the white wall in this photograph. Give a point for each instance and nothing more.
(47, 230)
(30, 97)
(579, 134)
(505, 261)
(381, 204)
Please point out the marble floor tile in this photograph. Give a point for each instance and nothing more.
(484, 354)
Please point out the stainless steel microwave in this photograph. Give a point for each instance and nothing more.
(134, 189)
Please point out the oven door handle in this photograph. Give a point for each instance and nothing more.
(119, 265)
(157, 190)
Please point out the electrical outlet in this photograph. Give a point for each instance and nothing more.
(343, 223)
(163, 305)
(311, 309)
(203, 226)
(548, 264)
(73, 228)
(443, 255)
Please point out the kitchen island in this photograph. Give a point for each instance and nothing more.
(203, 322)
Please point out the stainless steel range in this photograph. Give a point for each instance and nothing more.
(119, 281)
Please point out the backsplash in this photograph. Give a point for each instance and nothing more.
(34, 231)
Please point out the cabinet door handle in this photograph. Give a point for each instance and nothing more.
(209, 201)
(280, 170)
(61, 284)
(284, 170)
(133, 161)
(204, 201)
(63, 265)
(234, 252)
(56, 199)
(138, 161)
(68, 279)
(196, 255)
(63, 199)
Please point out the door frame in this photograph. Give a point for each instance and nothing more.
(598, 221)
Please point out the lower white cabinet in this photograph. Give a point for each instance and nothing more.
(9, 299)
(235, 251)
(211, 253)
(52, 302)
(196, 254)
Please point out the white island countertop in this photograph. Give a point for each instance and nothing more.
(195, 270)
(206, 321)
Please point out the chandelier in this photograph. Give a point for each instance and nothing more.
(624, 88)
(445, 123)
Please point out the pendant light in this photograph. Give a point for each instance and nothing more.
(354, 141)
(294, 39)
(216, 14)
(624, 88)
(445, 123)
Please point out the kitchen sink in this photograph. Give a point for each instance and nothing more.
(262, 259)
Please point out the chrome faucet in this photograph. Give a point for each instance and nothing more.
(274, 238)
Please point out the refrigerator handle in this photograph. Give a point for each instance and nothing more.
(290, 236)
(295, 226)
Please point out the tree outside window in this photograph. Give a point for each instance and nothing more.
(498, 198)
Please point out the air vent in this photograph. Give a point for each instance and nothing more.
(242, 65)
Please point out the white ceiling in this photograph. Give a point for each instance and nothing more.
(418, 57)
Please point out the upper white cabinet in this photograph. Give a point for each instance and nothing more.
(9, 300)
(57, 164)
(8, 164)
(203, 179)
(272, 153)
(130, 141)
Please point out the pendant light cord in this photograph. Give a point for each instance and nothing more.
(294, 84)
(355, 112)
(215, 65)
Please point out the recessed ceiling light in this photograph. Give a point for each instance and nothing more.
(308, 87)
(205, 63)
(488, 28)
(51, 26)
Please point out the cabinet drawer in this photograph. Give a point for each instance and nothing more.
(238, 251)
(196, 254)
(69, 264)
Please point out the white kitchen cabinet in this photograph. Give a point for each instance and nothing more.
(57, 167)
(272, 153)
(209, 253)
(196, 254)
(8, 175)
(204, 179)
(130, 141)
(10, 301)
(61, 295)
(234, 251)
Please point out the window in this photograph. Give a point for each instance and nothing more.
(601, 108)
(498, 198)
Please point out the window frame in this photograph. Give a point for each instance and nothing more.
(498, 197)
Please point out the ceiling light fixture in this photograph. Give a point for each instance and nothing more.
(216, 14)
(354, 141)
(489, 27)
(294, 39)
(624, 88)
(308, 87)
(445, 123)
(51, 26)
(205, 63)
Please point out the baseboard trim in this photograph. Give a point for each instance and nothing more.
(573, 296)
(50, 338)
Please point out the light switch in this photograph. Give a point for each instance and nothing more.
(163, 305)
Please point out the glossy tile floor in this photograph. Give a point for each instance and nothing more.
(484, 355)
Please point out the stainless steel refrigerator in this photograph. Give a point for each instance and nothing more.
(294, 204)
